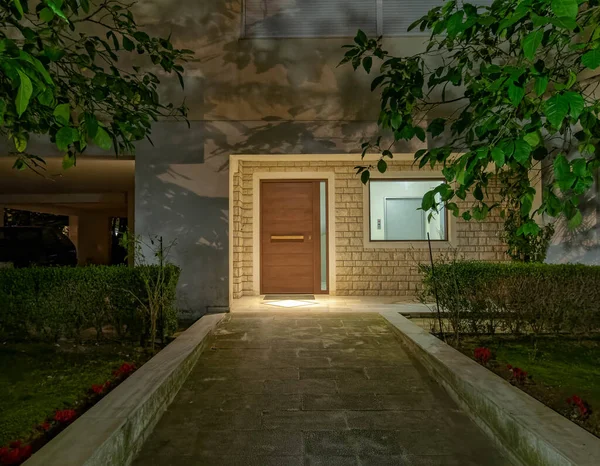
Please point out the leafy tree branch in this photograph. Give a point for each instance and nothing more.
(68, 71)
(511, 88)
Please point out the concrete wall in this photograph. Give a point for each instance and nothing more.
(260, 96)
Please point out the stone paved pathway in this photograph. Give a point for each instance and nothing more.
(307, 389)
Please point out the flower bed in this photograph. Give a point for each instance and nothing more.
(560, 371)
(46, 387)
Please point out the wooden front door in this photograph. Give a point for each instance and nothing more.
(290, 236)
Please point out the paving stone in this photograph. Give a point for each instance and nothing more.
(340, 401)
(262, 403)
(304, 420)
(256, 442)
(333, 373)
(304, 386)
(246, 460)
(331, 461)
(311, 389)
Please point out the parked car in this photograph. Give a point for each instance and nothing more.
(29, 246)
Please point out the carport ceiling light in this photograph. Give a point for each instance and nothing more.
(289, 303)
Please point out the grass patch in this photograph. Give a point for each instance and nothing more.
(559, 366)
(36, 379)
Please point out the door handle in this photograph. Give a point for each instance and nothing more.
(287, 238)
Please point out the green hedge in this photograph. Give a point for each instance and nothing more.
(517, 297)
(54, 302)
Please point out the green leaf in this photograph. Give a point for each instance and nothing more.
(533, 139)
(580, 167)
(455, 24)
(576, 220)
(68, 161)
(65, 137)
(541, 83)
(565, 23)
(396, 120)
(361, 38)
(128, 44)
(436, 127)
(428, 200)
(62, 113)
(377, 81)
(364, 177)
(466, 216)
(515, 94)
(420, 133)
(46, 98)
(46, 15)
(526, 203)
(591, 59)
(576, 103)
(498, 156)
(91, 125)
(531, 43)
(55, 6)
(522, 152)
(102, 139)
(381, 166)
(20, 142)
(367, 64)
(561, 167)
(23, 94)
(19, 8)
(556, 109)
(85, 5)
(565, 8)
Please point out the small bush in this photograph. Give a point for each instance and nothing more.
(483, 297)
(55, 302)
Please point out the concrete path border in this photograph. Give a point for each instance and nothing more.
(529, 431)
(113, 430)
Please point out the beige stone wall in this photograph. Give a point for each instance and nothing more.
(360, 271)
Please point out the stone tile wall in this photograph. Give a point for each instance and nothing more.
(360, 271)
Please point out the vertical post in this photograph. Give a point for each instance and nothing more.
(437, 303)
(161, 291)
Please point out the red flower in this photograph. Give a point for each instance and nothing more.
(518, 375)
(65, 416)
(581, 406)
(25, 452)
(98, 389)
(16, 455)
(483, 355)
(12, 457)
(45, 426)
(125, 369)
(15, 444)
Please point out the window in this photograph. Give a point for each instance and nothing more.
(394, 213)
(335, 18)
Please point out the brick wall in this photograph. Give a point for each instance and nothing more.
(360, 271)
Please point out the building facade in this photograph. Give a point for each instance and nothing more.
(271, 112)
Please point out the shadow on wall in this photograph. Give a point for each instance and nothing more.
(184, 199)
(582, 244)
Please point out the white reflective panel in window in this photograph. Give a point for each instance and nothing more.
(309, 18)
(395, 214)
(323, 229)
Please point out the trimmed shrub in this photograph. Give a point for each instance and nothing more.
(54, 302)
(483, 297)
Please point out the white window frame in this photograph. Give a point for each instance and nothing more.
(451, 237)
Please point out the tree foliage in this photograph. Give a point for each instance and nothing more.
(512, 92)
(69, 69)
